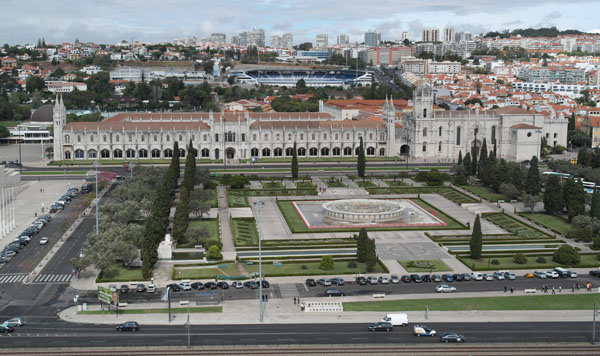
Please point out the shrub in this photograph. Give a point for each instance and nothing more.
(520, 258)
(303, 267)
(596, 243)
(352, 264)
(212, 242)
(326, 263)
(566, 255)
(214, 253)
(581, 234)
(495, 262)
(460, 179)
(540, 260)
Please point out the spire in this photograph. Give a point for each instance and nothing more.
(391, 103)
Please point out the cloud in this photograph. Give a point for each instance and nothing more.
(550, 19)
(415, 27)
(390, 29)
(282, 26)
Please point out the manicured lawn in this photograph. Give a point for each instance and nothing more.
(312, 268)
(365, 184)
(395, 183)
(8, 123)
(118, 273)
(534, 302)
(425, 266)
(447, 192)
(213, 229)
(272, 185)
(214, 309)
(214, 202)
(507, 262)
(305, 185)
(206, 272)
(334, 183)
(515, 227)
(485, 193)
(244, 232)
(554, 223)
(237, 199)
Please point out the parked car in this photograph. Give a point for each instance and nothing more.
(457, 277)
(380, 326)
(452, 337)
(372, 280)
(185, 286)
(551, 274)
(265, 284)
(394, 279)
(444, 288)
(128, 326)
(383, 280)
(510, 276)
(488, 276)
(311, 282)
(337, 281)
(436, 278)
(6, 328)
(572, 274)
(223, 285)
(447, 278)
(324, 282)
(466, 277)
(213, 285)
(236, 284)
(361, 280)
(251, 284)
(415, 278)
(477, 276)
(112, 287)
(595, 273)
(151, 288)
(405, 278)
(334, 293)
(498, 275)
(174, 287)
(140, 288)
(43, 240)
(426, 278)
(529, 275)
(16, 321)
(124, 288)
(422, 330)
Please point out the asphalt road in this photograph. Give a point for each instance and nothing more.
(55, 334)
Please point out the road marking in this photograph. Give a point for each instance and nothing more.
(12, 278)
(53, 278)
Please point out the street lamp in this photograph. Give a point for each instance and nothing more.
(95, 164)
(257, 205)
(19, 139)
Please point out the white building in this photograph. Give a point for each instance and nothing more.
(287, 40)
(343, 39)
(449, 34)
(322, 40)
(65, 87)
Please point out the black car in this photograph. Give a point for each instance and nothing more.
(128, 326)
(223, 285)
(466, 277)
(457, 277)
(210, 285)
(124, 289)
(265, 284)
(416, 278)
(251, 284)
(174, 287)
(405, 278)
(6, 329)
(334, 293)
(595, 273)
(451, 337)
(309, 282)
(197, 285)
(381, 326)
(426, 278)
(362, 281)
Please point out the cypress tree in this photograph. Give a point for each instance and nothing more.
(571, 125)
(474, 161)
(361, 162)
(577, 201)
(361, 245)
(595, 212)
(533, 178)
(175, 160)
(517, 177)
(568, 190)
(371, 255)
(553, 197)
(475, 244)
(460, 159)
(467, 164)
(295, 162)
(483, 161)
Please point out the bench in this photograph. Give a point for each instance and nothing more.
(184, 302)
(122, 305)
(378, 295)
(530, 290)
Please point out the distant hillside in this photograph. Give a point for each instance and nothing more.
(534, 32)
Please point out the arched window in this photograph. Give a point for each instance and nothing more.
(155, 153)
(266, 152)
(216, 153)
(180, 138)
(67, 139)
(347, 136)
(313, 137)
(440, 131)
(356, 150)
(104, 138)
(130, 137)
(181, 152)
(79, 154)
(168, 153)
(68, 155)
(254, 137)
(78, 140)
(382, 137)
(301, 136)
(277, 137)
(117, 153)
(336, 137)
(324, 136)
(425, 132)
(370, 151)
(195, 152)
(117, 138)
(266, 137)
(371, 136)
(142, 138)
(476, 131)
(289, 152)
(254, 152)
(324, 151)
(205, 138)
(458, 129)
(143, 153)
(302, 151)
(424, 146)
(205, 153)
(424, 113)
(347, 151)
(168, 138)
(243, 137)
(289, 137)
(155, 138)
(105, 153)
(91, 138)
(493, 135)
(440, 146)
(382, 151)
(92, 154)
(278, 152)
(130, 153)
(313, 151)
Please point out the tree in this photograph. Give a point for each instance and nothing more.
(583, 157)
(361, 162)
(533, 178)
(175, 159)
(326, 263)
(475, 244)
(371, 255)
(595, 210)
(196, 234)
(295, 162)
(519, 258)
(200, 202)
(35, 83)
(577, 201)
(596, 243)
(474, 161)
(571, 125)
(483, 160)
(553, 196)
(566, 255)
(529, 201)
(361, 245)
(460, 158)
(238, 181)
(516, 176)
(568, 190)
(306, 46)
(467, 164)
(301, 86)
(4, 132)
(509, 190)
(214, 253)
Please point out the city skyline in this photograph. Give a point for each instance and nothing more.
(154, 21)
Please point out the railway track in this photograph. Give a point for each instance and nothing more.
(405, 350)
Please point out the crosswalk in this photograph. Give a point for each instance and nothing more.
(53, 278)
(12, 278)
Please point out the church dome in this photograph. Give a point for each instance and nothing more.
(43, 114)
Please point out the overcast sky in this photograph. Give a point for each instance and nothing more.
(109, 21)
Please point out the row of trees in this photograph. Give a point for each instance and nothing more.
(365, 250)
(182, 212)
(569, 195)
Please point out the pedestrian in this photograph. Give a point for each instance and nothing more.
(559, 289)
(577, 285)
(573, 289)
(302, 306)
(266, 297)
(294, 300)
(543, 290)
(553, 291)
(512, 290)
(505, 289)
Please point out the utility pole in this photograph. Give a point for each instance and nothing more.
(258, 205)
(594, 325)
(188, 327)
(97, 199)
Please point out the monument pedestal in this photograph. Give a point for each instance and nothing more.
(165, 248)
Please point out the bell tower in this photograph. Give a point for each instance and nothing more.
(389, 121)
(423, 101)
(59, 118)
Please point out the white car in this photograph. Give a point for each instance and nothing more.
(444, 288)
(488, 276)
(551, 274)
(151, 288)
(237, 284)
(43, 240)
(476, 276)
(499, 276)
(384, 280)
(510, 276)
(185, 286)
(394, 279)
(372, 280)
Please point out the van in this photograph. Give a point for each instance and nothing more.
(400, 319)
(477, 276)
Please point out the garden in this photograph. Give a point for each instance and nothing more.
(244, 232)
(425, 266)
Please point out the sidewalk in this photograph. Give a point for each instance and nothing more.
(284, 311)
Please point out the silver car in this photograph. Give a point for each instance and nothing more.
(394, 279)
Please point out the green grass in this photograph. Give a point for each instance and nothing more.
(533, 302)
(212, 309)
(334, 183)
(244, 232)
(48, 173)
(485, 192)
(206, 272)
(447, 192)
(213, 229)
(515, 227)
(237, 198)
(273, 185)
(312, 268)
(507, 262)
(554, 223)
(8, 123)
(118, 273)
(296, 224)
(322, 159)
(305, 185)
(365, 184)
(395, 183)
(436, 266)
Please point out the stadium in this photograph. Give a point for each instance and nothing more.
(312, 78)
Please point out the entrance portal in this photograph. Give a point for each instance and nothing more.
(230, 153)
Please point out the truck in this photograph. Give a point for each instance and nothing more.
(397, 319)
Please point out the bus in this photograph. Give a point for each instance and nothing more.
(87, 187)
(557, 174)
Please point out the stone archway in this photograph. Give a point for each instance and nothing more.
(230, 153)
(404, 150)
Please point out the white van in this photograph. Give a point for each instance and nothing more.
(400, 319)
(477, 276)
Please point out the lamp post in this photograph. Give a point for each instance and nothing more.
(257, 205)
(95, 164)
(20, 159)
